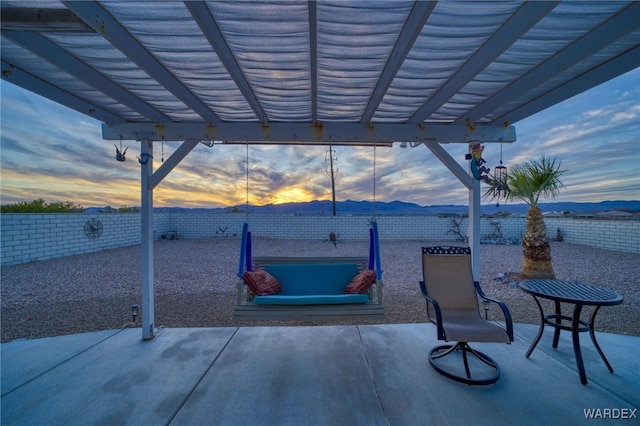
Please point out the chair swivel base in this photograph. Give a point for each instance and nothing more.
(442, 351)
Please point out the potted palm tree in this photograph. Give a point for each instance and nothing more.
(528, 182)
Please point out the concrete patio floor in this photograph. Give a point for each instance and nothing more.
(325, 375)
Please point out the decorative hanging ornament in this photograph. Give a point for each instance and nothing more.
(500, 176)
(478, 170)
(144, 158)
(120, 154)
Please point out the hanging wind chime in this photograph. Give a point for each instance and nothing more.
(500, 176)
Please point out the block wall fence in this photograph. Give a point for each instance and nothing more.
(32, 237)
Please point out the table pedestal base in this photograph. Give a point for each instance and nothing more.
(577, 326)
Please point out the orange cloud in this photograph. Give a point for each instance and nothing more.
(291, 195)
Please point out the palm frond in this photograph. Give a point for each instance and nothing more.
(529, 181)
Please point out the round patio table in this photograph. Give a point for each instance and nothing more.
(578, 294)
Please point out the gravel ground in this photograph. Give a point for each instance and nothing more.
(195, 284)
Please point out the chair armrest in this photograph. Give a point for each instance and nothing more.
(436, 308)
(505, 311)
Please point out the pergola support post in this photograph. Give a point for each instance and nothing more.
(147, 240)
(474, 228)
(473, 185)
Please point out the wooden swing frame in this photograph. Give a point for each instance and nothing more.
(246, 310)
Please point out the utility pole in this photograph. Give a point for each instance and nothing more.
(333, 180)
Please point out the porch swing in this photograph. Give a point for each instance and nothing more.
(309, 288)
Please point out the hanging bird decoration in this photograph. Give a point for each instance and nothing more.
(120, 155)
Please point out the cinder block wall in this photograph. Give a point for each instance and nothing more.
(318, 227)
(618, 235)
(30, 237)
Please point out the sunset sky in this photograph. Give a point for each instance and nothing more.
(49, 151)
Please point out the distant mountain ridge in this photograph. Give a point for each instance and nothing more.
(350, 207)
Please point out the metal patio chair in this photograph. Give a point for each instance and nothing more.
(452, 305)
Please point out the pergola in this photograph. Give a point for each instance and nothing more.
(308, 73)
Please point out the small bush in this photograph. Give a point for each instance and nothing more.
(41, 206)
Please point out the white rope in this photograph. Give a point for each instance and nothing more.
(246, 210)
(373, 208)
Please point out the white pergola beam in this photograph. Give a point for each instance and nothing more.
(44, 48)
(413, 26)
(521, 21)
(202, 15)
(47, 90)
(615, 28)
(95, 15)
(42, 20)
(313, 58)
(146, 230)
(451, 164)
(473, 185)
(625, 62)
(473, 232)
(305, 133)
(171, 162)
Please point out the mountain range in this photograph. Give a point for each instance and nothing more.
(351, 207)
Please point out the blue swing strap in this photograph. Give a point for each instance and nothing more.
(245, 262)
(374, 250)
(245, 246)
(248, 258)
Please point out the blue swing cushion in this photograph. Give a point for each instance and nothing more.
(312, 284)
